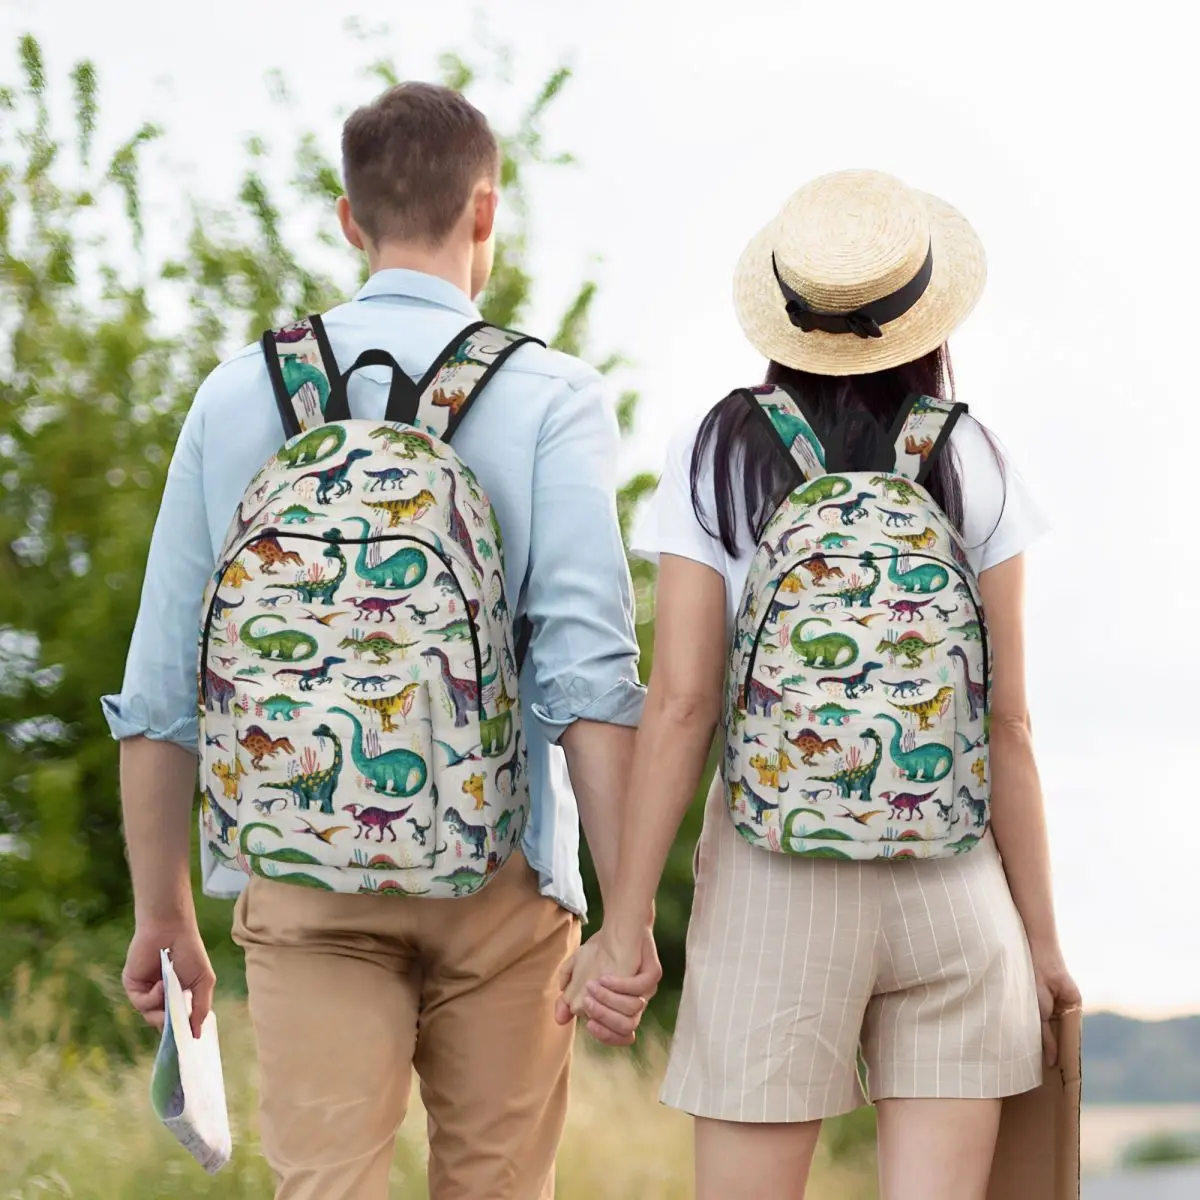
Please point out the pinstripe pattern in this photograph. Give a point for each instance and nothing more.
(792, 963)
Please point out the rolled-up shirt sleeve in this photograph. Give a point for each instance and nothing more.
(158, 696)
(579, 596)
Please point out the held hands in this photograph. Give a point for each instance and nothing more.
(142, 977)
(609, 986)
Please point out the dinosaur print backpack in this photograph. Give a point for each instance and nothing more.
(856, 702)
(358, 669)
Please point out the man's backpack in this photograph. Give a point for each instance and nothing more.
(856, 708)
(360, 730)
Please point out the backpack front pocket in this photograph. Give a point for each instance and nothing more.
(858, 782)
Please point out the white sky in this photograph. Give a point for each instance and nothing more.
(1065, 135)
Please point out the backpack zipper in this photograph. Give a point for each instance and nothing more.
(340, 541)
(983, 638)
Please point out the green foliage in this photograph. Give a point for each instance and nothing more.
(93, 386)
(1162, 1149)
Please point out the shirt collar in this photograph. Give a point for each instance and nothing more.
(415, 285)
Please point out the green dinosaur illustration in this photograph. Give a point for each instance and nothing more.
(297, 514)
(835, 541)
(857, 591)
(464, 880)
(404, 569)
(923, 764)
(309, 591)
(901, 490)
(496, 733)
(824, 650)
(285, 854)
(280, 707)
(968, 841)
(920, 580)
(972, 631)
(822, 852)
(298, 374)
(458, 630)
(790, 427)
(381, 646)
(824, 487)
(909, 646)
(317, 444)
(287, 645)
(316, 786)
(859, 778)
(392, 773)
(406, 443)
(832, 713)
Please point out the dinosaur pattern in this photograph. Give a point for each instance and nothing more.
(371, 669)
(848, 687)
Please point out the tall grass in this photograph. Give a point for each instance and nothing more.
(75, 1122)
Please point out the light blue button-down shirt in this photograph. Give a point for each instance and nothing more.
(544, 442)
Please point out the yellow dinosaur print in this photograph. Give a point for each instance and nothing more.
(388, 706)
(229, 774)
(926, 710)
(916, 541)
(411, 508)
(792, 583)
(473, 787)
(979, 770)
(236, 574)
(769, 769)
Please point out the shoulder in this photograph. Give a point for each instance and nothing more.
(1000, 516)
(541, 362)
(229, 383)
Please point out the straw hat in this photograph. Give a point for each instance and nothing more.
(857, 273)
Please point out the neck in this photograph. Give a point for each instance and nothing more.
(449, 262)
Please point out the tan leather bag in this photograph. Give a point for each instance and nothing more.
(1037, 1153)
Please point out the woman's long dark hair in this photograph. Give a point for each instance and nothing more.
(862, 409)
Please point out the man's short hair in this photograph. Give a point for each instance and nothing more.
(410, 160)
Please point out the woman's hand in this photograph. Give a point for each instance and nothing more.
(609, 985)
(1056, 992)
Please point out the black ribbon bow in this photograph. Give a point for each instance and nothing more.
(863, 322)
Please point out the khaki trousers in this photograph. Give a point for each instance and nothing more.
(349, 993)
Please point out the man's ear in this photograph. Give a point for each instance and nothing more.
(350, 229)
(487, 199)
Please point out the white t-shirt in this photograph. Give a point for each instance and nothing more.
(1000, 519)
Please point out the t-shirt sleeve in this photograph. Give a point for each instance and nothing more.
(668, 523)
(1000, 517)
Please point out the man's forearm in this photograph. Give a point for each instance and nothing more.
(598, 758)
(158, 781)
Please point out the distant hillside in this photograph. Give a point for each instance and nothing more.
(1140, 1062)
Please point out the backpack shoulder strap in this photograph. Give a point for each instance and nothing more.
(923, 426)
(302, 369)
(783, 413)
(444, 396)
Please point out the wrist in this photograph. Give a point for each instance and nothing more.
(1044, 946)
(176, 913)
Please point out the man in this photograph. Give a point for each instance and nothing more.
(348, 993)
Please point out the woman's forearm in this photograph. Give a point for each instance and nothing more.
(1019, 825)
(672, 746)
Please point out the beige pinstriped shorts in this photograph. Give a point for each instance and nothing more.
(794, 965)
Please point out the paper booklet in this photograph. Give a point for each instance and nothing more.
(187, 1088)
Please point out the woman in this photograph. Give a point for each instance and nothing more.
(943, 970)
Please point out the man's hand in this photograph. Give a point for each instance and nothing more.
(609, 988)
(142, 977)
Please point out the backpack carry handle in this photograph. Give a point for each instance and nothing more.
(403, 396)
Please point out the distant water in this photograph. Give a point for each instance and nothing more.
(1107, 1130)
